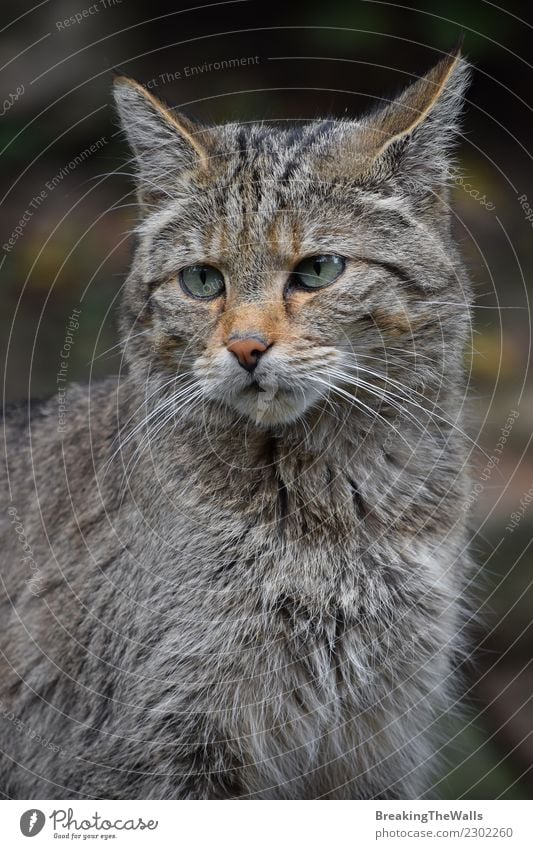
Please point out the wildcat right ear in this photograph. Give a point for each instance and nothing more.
(166, 146)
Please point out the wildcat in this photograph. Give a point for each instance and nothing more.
(248, 550)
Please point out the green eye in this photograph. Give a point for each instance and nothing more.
(202, 281)
(315, 272)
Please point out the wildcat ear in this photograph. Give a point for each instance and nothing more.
(411, 138)
(166, 146)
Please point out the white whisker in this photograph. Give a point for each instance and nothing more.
(355, 401)
(153, 413)
(120, 344)
(405, 398)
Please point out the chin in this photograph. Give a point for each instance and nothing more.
(266, 411)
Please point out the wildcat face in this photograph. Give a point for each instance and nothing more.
(276, 267)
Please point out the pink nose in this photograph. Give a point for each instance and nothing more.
(248, 350)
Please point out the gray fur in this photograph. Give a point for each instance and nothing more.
(252, 595)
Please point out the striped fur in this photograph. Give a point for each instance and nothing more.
(254, 594)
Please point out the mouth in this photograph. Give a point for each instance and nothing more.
(267, 404)
(267, 400)
(254, 386)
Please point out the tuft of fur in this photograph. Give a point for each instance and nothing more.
(249, 594)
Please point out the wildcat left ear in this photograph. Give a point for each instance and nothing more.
(167, 146)
(410, 139)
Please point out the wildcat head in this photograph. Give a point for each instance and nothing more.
(279, 268)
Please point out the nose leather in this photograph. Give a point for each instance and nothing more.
(248, 350)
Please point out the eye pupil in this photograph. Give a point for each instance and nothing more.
(202, 281)
(317, 272)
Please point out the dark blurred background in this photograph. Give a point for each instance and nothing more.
(68, 211)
